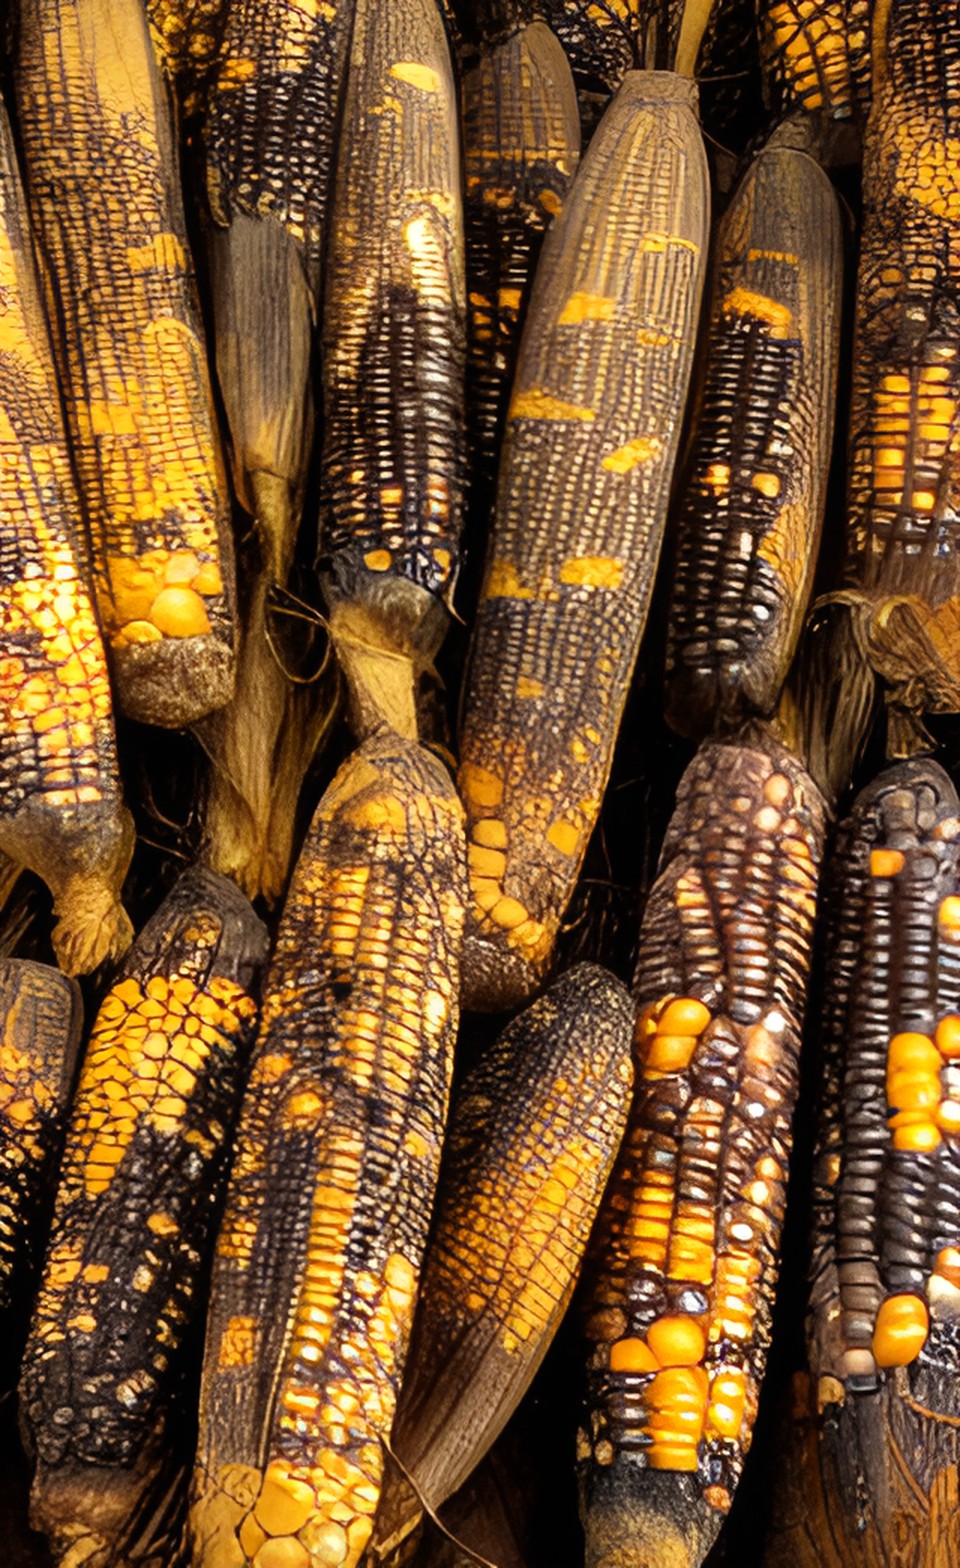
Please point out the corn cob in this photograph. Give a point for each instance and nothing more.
(329, 1205)
(272, 108)
(592, 433)
(750, 515)
(686, 1255)
(106, 1389)
(102, 175)
(603, 40)
(40, 1021)
(533, 1135)
(62, 808)
(186, 38)
(394, 360)
(904, 484)
(805, 55)
(885, 1296)
(521, 143)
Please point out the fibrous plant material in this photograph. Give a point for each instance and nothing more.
(533, 1134)
(103, 179)
(592, 433)
(881, 1440)
(394, 351)
(752, 504)
(41, 1017)
(61, 803)
(106, 1392)
(329, 1204)
(679, 1303)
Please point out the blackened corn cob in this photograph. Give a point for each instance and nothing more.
(885, 1294)
(686, 1250)
(903, 567)
(394, 352)
(592, 432)
(271, 113)
(533, 1134)
(40, 1021)
(521, 145)
(339, 1148)
(105, 1394)
(752, 505)
(102, 175)
(61, 805)
(805, 55)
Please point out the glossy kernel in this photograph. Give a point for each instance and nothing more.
(677, 1341)
(900, 1331)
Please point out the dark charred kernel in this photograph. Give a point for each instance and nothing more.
(521, 144)
(339, 1148)
(903, 567)
(394, 351)
(752, 505)
(533, 1134)
(40, 1023)
(61, 806)
(105, 1392)
(805, 57)
(592, 433)
(102, 175)
(271, 114)
(686, 1251)
(884, 1309)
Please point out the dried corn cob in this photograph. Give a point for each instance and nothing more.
(330, 1201)
(805, 55)
(533, 1135)
(592, 433)
(186, 37)
(272, 108)
(102, 174)
(603, 40)
(686, 1254)
(40, 1020)
(751, 511)
(106, 1392)
(521, 144)
(904, 484)
(394, 360)
(62, 810)
(885, 1297)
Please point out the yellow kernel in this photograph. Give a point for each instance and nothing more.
(632, 1355)
(179, 612)
(914, 1051)
(948, 1035)
(490, 833)
(900, 1331)
(920, 1138)
(886, 862)
(683, 1016)
(677, 1341)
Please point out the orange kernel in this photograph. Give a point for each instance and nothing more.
(632, 1355)
(677, 1341)
(900, 1331)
